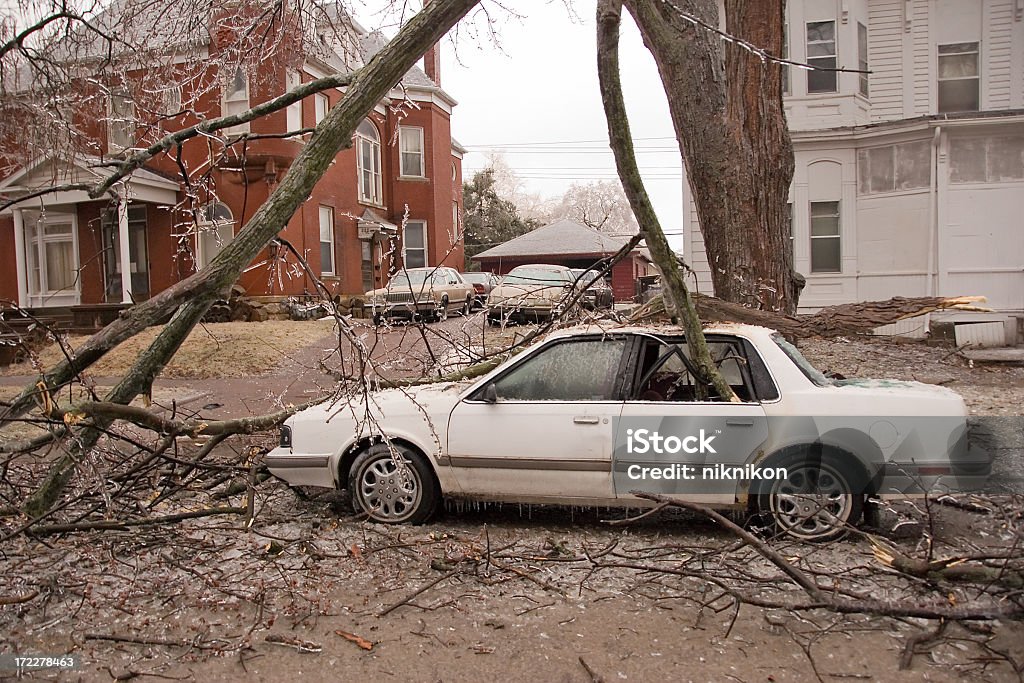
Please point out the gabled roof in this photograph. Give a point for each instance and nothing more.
(561, 238)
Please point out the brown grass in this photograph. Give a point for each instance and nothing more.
(211, 351)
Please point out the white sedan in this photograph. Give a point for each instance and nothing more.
(591, 416)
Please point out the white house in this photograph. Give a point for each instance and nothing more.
(909, 181)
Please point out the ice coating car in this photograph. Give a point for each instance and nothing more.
(590, 416)
(429, 293)
(531, 292)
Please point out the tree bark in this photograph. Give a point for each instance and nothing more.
(726, 108)
(609, 16)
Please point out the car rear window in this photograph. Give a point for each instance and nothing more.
(812, 373)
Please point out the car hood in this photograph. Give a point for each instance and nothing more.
(399, 287)
(553, 292)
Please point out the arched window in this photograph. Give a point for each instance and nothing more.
(216, 229)
(368, 163)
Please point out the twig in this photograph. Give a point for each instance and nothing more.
(419, 591)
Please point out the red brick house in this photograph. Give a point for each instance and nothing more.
(571, 244)
(394, 197)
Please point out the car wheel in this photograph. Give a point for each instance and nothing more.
(818, 500)
(393, 485)
(468, 308)
(442, 312)
(377, 319)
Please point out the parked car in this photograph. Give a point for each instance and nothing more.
(421, 293)
(597, 295)
(589, 416)
(483, 283)
(531, 292)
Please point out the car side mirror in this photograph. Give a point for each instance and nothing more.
(490, 394)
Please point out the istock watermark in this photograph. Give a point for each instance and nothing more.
(717, 471)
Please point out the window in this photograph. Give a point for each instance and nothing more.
(821, 54)
(411, 144)
(236, 99)
(216, 228)
(50, 245)
(368, 163)
(138, 254)
(414, 244)
(986, 160)
(326, 240)
(172, 100)
(894, 167)
(121, 122)
(582, 370)
(825, 237)
(665, 374)
(292, 80)
(862, 57)
(322, 105)
(958, 77)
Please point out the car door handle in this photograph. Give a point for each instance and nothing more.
(586, 419)
(740, 423)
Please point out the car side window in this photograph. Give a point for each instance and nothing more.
(581, 370)
(666, 377)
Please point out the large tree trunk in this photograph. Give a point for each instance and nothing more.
(726, 107)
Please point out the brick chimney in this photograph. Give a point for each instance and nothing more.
(432, 60)
(432, 63)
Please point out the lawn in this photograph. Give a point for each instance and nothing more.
(214, 350)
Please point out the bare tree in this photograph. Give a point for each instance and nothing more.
(601, 205)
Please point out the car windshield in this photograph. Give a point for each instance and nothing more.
(535, 276)
(416, 277)
(811, 372)
(475, 277)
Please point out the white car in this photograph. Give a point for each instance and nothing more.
(589, 416)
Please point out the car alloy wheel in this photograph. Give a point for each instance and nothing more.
(815, 501)
(393, 485)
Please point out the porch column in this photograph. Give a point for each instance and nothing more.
(125, 248)
(20, 256)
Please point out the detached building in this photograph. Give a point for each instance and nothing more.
(571, 244)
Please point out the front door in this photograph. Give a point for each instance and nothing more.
(548, 434)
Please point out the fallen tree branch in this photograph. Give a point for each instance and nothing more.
(826, 598)
(114, 524)
(855, 318)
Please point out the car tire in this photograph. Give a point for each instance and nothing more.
(377, 319)
(467, 310)
(442, 313)
(391, 492)
(819, 500)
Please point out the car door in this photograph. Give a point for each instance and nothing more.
(545, 431)
(668, 440)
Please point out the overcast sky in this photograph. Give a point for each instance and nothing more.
(535, 100)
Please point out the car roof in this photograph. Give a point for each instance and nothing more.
(740, 329)
(540, 266)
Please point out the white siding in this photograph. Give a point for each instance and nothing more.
(921, 56)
